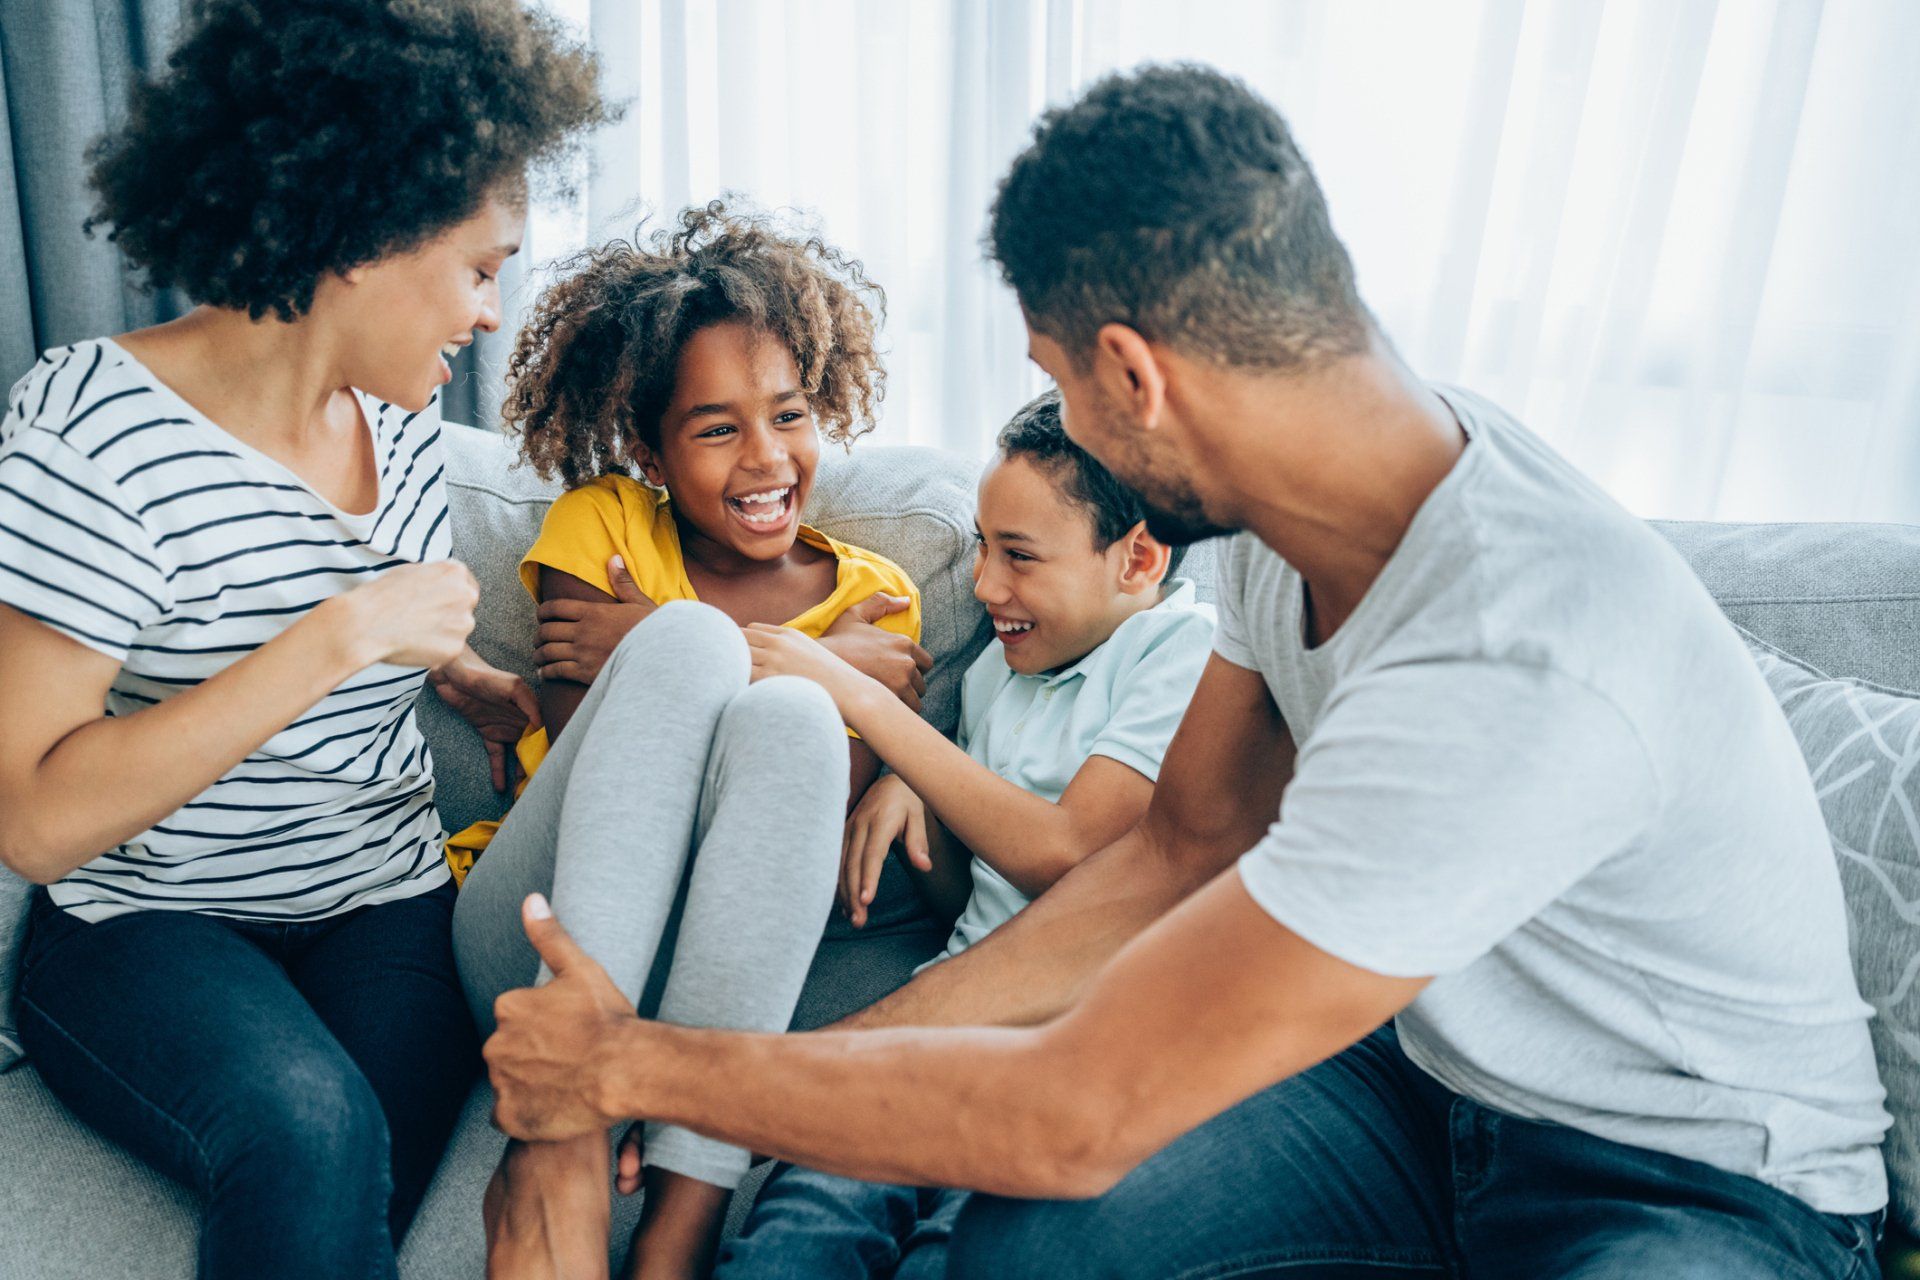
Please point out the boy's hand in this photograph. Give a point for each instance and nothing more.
(782, 651)
(578, 636)
(889, 812)
(889, 657)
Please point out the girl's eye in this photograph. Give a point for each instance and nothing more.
(712, 433)
(789, 418)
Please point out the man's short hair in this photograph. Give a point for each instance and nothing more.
(1036, 434)
(1173, 200)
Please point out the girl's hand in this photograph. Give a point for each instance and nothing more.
(889, 812)
(578, 636)
(418, 615)
(889, 657)
(497, 703)
(782, 651)
(630, 1158)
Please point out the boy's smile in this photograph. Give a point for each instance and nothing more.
(1053, 595)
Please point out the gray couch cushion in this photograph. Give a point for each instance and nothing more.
(1862, 744)
(1843, 597)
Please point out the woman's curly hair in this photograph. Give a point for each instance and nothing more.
(292, 139)
(593, 370)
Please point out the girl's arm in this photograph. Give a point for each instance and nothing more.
(75, 783)
(1029, 840)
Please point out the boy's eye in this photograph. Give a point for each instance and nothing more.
(1018, 555)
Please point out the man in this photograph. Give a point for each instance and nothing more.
(1540, 812)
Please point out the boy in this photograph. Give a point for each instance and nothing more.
(1064, 720)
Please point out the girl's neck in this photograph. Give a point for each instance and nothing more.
(719, 560)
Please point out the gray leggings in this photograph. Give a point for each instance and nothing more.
(675, 781)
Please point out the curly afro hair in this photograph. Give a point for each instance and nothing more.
(593, 370)
(1173, 199)
(292, 139)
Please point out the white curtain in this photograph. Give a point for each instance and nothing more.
(1679, 238)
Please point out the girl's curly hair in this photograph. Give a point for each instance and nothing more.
(593, 370)
(292, 139)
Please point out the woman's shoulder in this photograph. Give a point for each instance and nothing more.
(69, 386)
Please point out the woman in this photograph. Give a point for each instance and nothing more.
(229, 534)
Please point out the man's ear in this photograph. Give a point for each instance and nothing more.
(1144, 560)
(1130, 373)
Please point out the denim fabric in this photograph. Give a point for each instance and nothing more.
(1365, 1167)
(808, 1225)
(302, 1077)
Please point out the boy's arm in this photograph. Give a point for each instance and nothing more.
(947, 881)
(1218, 792)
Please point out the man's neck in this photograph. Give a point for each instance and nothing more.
(1328, 469)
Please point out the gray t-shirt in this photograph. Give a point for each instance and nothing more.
(1538, 764)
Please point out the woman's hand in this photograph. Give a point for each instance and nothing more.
(418, 615)
(578, 636)
(497, 703)
(889, 812)
(889, 657)
(782, 651)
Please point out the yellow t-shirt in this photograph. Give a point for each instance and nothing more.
(617, 515)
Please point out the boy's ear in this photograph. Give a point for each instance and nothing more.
(1143, 560)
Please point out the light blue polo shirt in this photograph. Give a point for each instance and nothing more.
(1123, 701)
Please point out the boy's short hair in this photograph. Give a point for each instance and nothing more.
(1036, 433)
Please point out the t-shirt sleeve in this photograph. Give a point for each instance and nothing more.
(1438, 807)
(1229, 636)
(583, 529)
(1152, 697)
(74, 555)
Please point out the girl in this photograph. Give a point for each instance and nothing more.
(225, 580)
(708, 363)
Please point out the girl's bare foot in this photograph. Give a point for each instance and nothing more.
(679, 1230)
(547, 1211)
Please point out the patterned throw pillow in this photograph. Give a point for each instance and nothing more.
(1862, 744)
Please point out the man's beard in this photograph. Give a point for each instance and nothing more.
(1176, 518)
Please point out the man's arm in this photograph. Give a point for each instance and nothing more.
(1219, 789)
(1059, 1111)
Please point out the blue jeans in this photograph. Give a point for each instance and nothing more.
(807, 1224)
(1366, 1167)
(302, 1077)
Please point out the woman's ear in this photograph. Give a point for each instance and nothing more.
(1144, 560)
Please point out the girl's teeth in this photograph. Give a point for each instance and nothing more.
(763, 508)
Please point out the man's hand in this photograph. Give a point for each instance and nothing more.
(782, 651)
(578, 636)
(497, 703)
(540, 1058)
(892, 659)
(889, 812)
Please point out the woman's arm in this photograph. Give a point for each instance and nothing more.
(75, 783)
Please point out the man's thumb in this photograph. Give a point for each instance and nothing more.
(625, 589)
(879, 605)
(554, 944)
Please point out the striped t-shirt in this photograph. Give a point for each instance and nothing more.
(131, 523)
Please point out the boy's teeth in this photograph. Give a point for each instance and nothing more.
(1003, 626)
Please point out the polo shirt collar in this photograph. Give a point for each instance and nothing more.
(1178, 592)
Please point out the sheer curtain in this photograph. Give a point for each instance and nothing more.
(1675, 236)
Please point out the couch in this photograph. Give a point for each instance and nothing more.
(1845, 598)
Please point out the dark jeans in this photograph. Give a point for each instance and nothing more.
(302, 1077)
(808, 1225)
(1366, 1167)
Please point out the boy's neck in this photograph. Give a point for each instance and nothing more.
(1134, 607)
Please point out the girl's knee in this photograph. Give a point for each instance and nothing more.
(685, 631)
(789, 710)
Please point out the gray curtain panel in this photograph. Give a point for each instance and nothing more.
(65, 67)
